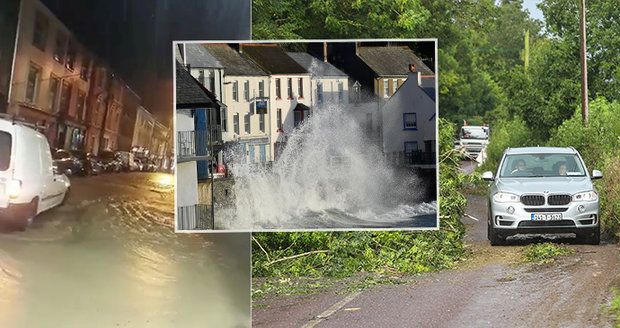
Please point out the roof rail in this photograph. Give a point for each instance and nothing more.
(21, 121)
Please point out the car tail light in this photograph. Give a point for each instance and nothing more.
(13, 188)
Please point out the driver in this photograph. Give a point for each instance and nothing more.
(562, 168)
(520, 168)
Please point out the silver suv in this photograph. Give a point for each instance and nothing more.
(540, 190)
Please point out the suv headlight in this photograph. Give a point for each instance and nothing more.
(505, 197)
(587, 196)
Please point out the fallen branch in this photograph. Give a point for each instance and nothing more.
(261, 247)
(296, 256)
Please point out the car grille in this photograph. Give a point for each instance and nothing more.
(533, 200)
(558, 199)
(560, 223)
(546, 209)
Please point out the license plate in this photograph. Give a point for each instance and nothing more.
(546, 217)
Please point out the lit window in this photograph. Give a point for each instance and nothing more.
(32, 86)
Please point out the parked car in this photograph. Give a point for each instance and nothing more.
(29, 185)
(65, 162)
(136, 165)
(90, 164)
(125, 158)
(541, 190)
(110, 162)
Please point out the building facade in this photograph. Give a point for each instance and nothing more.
(410, 125)
(290, 95)
(51, 77)
(9, 14)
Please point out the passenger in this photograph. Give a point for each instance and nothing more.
(562, 169)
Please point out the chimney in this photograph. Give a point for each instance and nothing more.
(413, 71)
(325, 51)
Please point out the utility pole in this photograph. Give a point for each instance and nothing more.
(584, 64)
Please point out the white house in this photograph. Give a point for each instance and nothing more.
(329, 84)
(246, 95)
(290, 95)
(409, 124)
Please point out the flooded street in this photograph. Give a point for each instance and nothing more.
(109, 258)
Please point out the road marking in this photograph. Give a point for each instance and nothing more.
(333, 309)
(471, 217)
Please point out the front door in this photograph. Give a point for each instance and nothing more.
(251, 153)
(263, 153)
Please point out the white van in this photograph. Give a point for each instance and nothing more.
(28, 183)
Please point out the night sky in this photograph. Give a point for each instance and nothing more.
(135, 36)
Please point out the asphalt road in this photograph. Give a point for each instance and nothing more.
(492, 288)
(109, 258)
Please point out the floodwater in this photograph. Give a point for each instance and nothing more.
(109, 258)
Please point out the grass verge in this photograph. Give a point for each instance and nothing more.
(545, 253)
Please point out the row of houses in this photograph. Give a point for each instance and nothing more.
(253, 96)
(76, 98)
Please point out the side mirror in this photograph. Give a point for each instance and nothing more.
(596, 174)
(487, 176)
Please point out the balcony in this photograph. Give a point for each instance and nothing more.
(195, 145)
(420, 158)
(195, 217)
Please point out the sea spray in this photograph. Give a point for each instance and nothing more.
(329, 175)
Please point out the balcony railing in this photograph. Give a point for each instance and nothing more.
(420, 157)
(193, 145)
(195, 217)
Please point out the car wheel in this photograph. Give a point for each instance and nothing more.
(68, 172)
(29, 213)
(494, 236)
(592, 238)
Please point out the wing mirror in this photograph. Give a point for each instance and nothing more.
(488, 176)
(596, 174)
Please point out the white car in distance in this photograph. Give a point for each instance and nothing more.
(29, 183)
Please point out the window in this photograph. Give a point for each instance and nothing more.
(386, 90)
(236, 123)
(211, 85)
(6, 141)
(65, 97)
(261, 89)
(279, 118)
(246, 90)
(71, 54)
(340, 91)
(247, 123)
(410, 147)
(261, 122)
(32, 86)
(201, 77)
(319, 92)
(236, 91)
(394, 85)
(300, 88)
(278, 91)
(85, 71)
(52, 96)
(81, 98)
(410, 121)
(39, 37)
(289, 88)
(224, 116)
(61, 47)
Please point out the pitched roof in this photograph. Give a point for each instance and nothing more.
(233, 62)
(190, 93)
(272, 59)
(391, 61)
(197, 56)
(314, 66)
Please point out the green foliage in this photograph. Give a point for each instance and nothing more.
(609, 192)
(505, 134)
(545, 252)
(340, 254)
(614, 307)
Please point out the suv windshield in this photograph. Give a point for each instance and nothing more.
(542, 165)
(473, 133)
(5, 150)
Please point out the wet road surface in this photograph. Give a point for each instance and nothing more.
(109, 258)
(490, 289)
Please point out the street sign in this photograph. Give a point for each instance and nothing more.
(261, 107)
